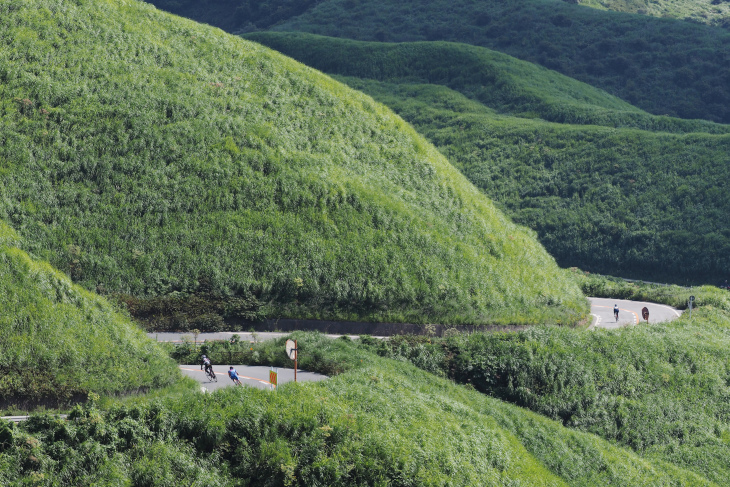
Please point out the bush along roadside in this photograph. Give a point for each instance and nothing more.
(317, 353)
(600, 286)
(382, 423)
(661, 389)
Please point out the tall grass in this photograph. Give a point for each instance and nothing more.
(610, 199)
(660, 389)
(59, 342)
(152, 157)
(663, 66)
(382, 423)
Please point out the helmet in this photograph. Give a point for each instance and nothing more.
(204, 356)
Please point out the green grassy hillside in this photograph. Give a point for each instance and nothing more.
(711, 12)
(58, 342)
(171, 162)
(382, 423)
(664, 66)
(555, 154)
(660, 65)
(661, 390)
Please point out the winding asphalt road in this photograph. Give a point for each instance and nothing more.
(601, 311)
(629, 312)
(255, 376)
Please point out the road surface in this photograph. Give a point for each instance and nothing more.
(629, 312)
(256, 376)
(601, 311)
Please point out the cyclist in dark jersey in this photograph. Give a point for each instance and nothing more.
(615, 311)
(205, 363)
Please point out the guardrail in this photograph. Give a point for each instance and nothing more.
(18, 419)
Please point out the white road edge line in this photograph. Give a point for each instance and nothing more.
(596, 322)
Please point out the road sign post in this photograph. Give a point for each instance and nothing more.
(292, 351)
(274, 378)
(691, 301)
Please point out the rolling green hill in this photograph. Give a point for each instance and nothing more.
(664, 66)
(711, 12)
(382, 423)
(173, 163)
(58, 342)
(608, 188)
(660, 390)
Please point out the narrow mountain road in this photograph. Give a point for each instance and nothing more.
(256, 376)
(629, 312)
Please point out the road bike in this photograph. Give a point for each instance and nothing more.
(211, 375)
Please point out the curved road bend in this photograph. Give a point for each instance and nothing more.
(629, 312)
(256, 376)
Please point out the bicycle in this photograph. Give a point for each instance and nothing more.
(211, 375)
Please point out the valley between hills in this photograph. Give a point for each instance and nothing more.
(464, 173)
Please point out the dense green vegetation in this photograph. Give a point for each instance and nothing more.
(663, 66)
(661, 390)
(382, 423)
(58, 342)
(609, 198)
(162, 159)
(712, 12)
(676, 296)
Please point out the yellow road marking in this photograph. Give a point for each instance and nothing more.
(239, 375)
(636, 315)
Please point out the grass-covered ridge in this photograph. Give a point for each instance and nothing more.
(501, 82)
(660, 389)
(382, 423)
(557, 155)
(145, 154)
(711, 12)
(663, 66)
(58, 342)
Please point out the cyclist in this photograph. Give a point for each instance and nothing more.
(234, 376)
(615, 311)
(205, 363)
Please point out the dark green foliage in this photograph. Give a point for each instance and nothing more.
(163, 159)
(613, 200)
(383, 423)
(633, 57)
(59, 342)
(637, 58)
(661, 390)
(201, 311)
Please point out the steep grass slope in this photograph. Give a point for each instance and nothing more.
(382, 423)
(609, 198)
(660, 389)
(148, 155)
(501, 82)
(59, 342)
(663, 66)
